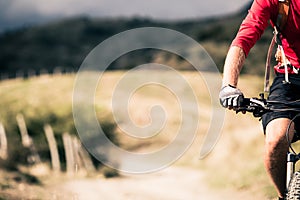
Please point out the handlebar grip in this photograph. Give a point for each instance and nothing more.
(244, 102)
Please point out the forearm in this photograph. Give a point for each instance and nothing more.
(233, 65)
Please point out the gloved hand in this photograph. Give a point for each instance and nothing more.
(230, 97)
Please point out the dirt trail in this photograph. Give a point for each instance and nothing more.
(173, 183)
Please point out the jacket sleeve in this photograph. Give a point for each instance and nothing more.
(255, 23)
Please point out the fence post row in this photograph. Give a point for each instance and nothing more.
(33, 73)
(76, 156)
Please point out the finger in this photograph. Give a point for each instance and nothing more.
(235, 101)
(240, 100)
(231, 101)
(224, 103)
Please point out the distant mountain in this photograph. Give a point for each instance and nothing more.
(65, 43)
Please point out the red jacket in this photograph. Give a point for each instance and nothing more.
(258, 19)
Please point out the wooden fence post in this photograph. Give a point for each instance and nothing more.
(53, 148)
(86, 159)
(27, 142)
(78, 161)
(69, 152)
(3, 143)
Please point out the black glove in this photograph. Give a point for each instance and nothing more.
(230, 97)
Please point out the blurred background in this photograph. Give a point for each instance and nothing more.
(42, 45)
(37, 37)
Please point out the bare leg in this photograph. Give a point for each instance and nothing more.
(276, 148)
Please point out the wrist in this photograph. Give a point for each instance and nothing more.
(230, 85)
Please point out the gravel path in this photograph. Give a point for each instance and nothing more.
(173, 183)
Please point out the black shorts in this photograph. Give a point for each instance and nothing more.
(283, 92)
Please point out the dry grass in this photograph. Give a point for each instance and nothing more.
(236, 161)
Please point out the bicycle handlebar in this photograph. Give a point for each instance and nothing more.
(256, 106)
(260, 106)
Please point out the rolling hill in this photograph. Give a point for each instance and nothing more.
(65, 43)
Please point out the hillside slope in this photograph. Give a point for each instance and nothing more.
(65, 43)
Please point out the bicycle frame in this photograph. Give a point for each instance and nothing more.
(292, 159)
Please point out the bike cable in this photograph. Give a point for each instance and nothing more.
(288, 131)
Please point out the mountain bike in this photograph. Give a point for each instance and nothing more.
(260, 106)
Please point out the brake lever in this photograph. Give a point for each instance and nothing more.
(257, 106)
(243, 106)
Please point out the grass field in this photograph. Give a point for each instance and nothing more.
(235, 163)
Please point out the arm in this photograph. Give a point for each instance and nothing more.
(230, 96)
(250, 31)
(233, 65)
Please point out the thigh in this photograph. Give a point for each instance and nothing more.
(280, 92)
(276, 130)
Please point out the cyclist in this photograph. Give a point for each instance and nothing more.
(285, 86)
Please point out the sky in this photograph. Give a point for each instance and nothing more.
(15, 13)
